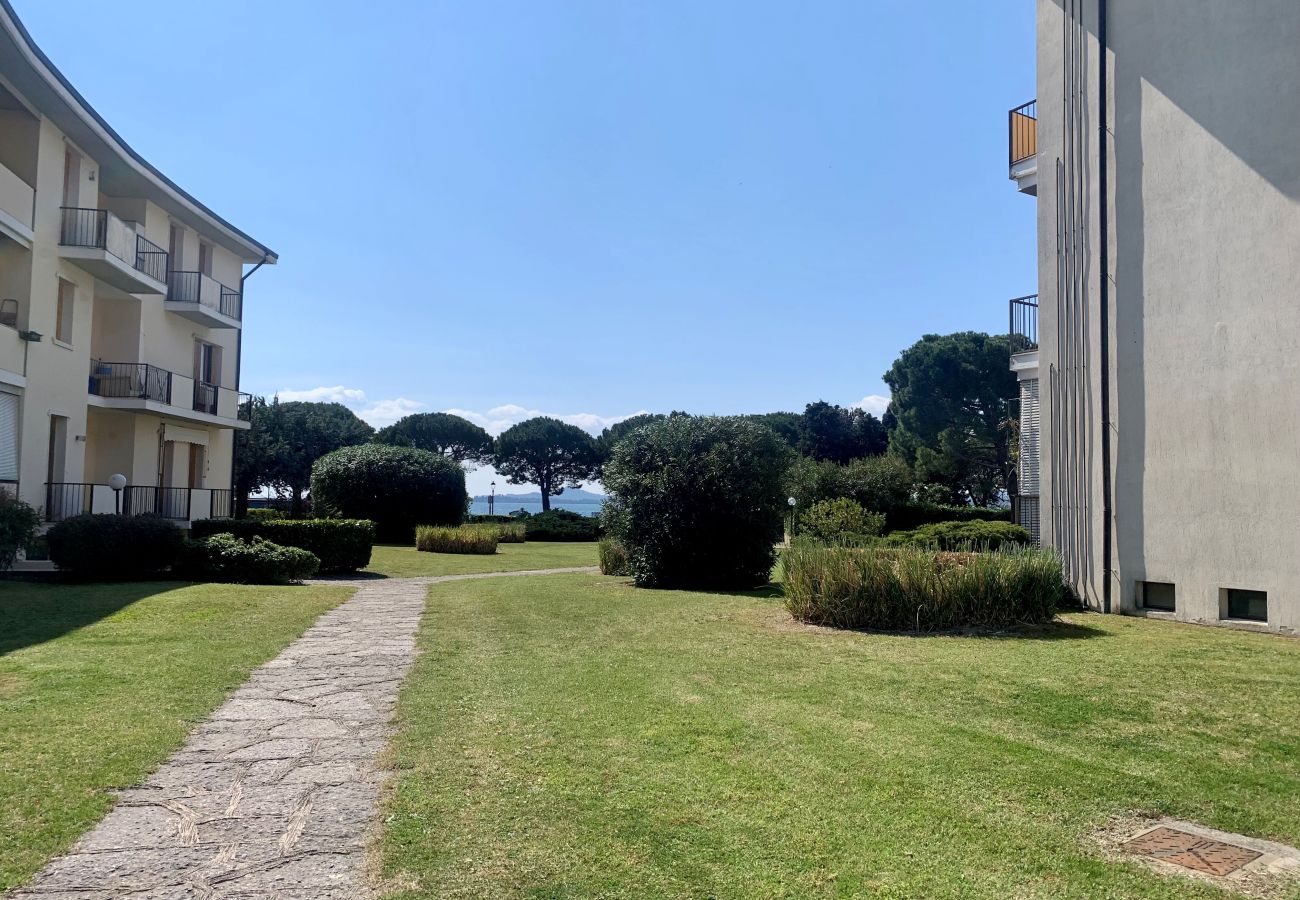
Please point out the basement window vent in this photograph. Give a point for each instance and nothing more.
(1238, 603)
(1157, 595)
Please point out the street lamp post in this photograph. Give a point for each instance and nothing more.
(790, 532)
(492, 500)
(117, 482)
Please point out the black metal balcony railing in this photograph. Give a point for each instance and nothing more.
(134, 380)
(150, 258)
(101, 230)
(1022, 132)
(168, 502)
(63, 500)
(1023, 331)
(223, 504)
(205, 397)
(196, 287)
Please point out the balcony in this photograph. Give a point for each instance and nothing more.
(17, 200)
(144, 388)
(1023, 335)
(202, 299)
(181, 505)
(112, 251)
(1022, 147)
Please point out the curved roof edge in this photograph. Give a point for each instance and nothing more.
(77, 103)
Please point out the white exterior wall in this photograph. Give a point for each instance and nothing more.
(1204, 211)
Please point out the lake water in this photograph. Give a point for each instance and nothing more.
(504, 507)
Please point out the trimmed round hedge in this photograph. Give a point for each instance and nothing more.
(113, 548)
(395, 487)
(697, 502)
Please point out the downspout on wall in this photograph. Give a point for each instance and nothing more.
(1103, 224)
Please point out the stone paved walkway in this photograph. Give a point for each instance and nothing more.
(273, 795)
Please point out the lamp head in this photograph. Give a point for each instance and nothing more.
(117, 482)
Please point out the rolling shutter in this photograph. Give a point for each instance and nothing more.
(1029, 436)
(9, 404)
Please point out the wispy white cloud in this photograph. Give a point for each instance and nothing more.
(499, 418)
(386, 412)
(336, 394)
(874, 404)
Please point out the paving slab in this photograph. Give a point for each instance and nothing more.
(274, 794)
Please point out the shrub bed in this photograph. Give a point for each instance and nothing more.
(613, 558)
(397, 488)
(111, 548)
(18, 526)
(341, 545)
(477, 539)
(841, 522)
(226, 558)
(561, 525)
(921, 590)
(264, 514)
(974, 535)
(511, 533)
(908, 516)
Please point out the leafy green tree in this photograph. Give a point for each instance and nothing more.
(787, 425)
(828, 432)
(953, 397)
(256, 450)
(610, 437)
(441, 433)
(551, 454)
(299, 433)
(878, 483)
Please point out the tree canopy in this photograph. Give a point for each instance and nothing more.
(954, 402)
(828, 432)
(441, 433)
(549, 453)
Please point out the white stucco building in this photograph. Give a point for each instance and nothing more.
(121, 302)
(1160, 372)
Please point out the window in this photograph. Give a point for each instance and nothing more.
(8, 437)
(205, 258)
(71, 178)
(1158, 595)
(67, 305)
(1238, 603)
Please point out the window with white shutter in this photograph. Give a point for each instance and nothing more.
(9, 404)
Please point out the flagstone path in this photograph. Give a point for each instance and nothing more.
(274, 794)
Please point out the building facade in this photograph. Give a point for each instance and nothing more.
(1158, 362)
(121, 306)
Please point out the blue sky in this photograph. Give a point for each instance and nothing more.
(580, 208)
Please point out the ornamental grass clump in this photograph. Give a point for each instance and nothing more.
(512, 533)
(921, 590)
(476, 539)
(613, 558)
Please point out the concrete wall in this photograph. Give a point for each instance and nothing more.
(1204, 206)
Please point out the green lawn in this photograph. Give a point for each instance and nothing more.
(99, 683)
(571, 735)
(398, 561)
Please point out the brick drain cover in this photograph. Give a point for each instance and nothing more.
(1191, 851)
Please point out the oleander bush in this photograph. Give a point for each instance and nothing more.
(842, 522)
(972, 535)
(561, 525)
(879, 483)
(910, 516)
(397, 488)
(476, 539)
(698, 501)
(341, 545)
(921, 590)
(264, 514)
(113, 548)
(613, 558)
(18, 526)
(226, 558)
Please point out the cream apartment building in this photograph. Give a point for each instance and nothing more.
(121, 303)
(1159, 362)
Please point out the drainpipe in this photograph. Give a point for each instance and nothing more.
(1103, 144)
(239, 338)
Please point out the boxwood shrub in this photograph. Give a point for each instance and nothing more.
(974, 535)
(113, 548)
(341, 545)
(561, 525)
(921, 590)
(476, 539)
(226, 558)
(397, 488)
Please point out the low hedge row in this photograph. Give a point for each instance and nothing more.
(974, 535)
(909, 516)
(561, 525)
(114, 548)
(226, 558)
(341, 545)
(921, 590)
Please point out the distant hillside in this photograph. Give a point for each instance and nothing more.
(572, 495)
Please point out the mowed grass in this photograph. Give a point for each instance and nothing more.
(570, 735)
(99, 683)
(397, 561)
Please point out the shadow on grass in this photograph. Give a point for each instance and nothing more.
(344, 577)
(35, 612)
